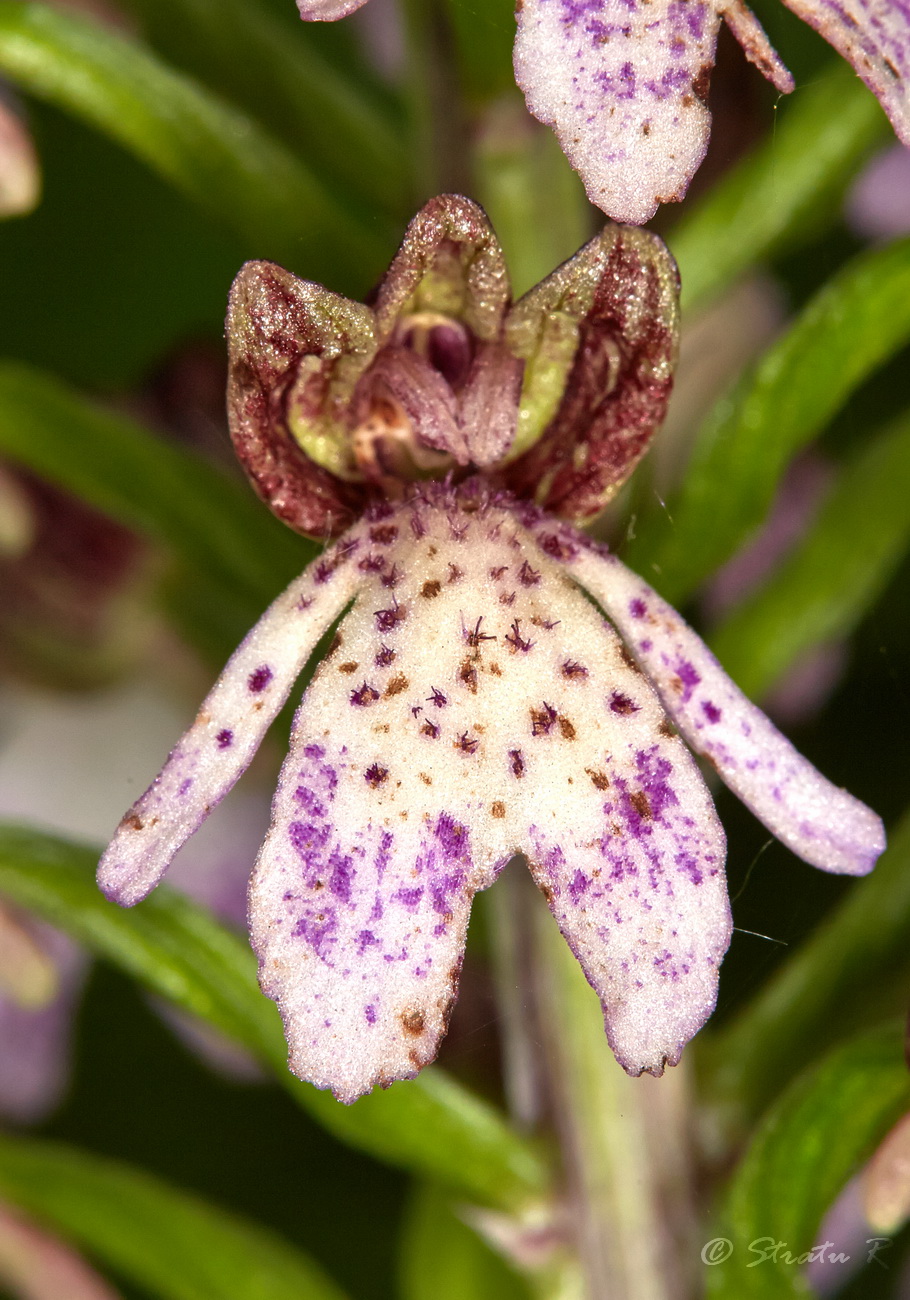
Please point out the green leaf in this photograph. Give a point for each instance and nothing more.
(443, 1259)
(859, 319)
(213, 524)
(209, 150)
(277, 73)
(176, 1245)
(805, 1151)
(170, 944)
(834, 575)
(784, 191)
(175, 948)
(819, 993)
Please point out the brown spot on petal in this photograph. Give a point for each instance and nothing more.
(430, 589)
(629, 659)
(398, 684)
(384, 534)
(573, 670)
(337, 641)
(642, 804)
(132, 821)
(702, 83)
(498, 809)
(666, 728)
(495, 670)
(600, 779)
(425, 779)
(542, 720)
(566, 729)
(413, 1022)
(467, 673)
(350, 667)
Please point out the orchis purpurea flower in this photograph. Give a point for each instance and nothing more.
(475, 703)
(624, 83)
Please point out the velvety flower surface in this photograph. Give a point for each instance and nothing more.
(624, 83)
(475, 702)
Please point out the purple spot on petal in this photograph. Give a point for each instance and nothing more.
(184, 786)
(259, 679)
(578, 886)
(409, 897)
(342, 876)
(688, 678)
(318, 928)
(388, 619)
(711, 711)
(638, 608)
(383, 857)
(364, 695)
(452, 837)
(225, 738)
(621, 704)
(308, 801)
(370, 1013)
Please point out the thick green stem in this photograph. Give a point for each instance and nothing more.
(622, 1141)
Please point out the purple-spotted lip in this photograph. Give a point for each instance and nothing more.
(410, 783)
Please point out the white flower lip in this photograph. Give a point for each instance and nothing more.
(476, 705)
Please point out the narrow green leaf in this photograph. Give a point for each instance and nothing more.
(177, 1245)
(835, 574)
(433, 1125)
(246, 52)
(170, 944)
(819, 993)
(213, 524)
(206, 148)
(859, 319)
(787, 189)
(443, 1259)
(805, 1151)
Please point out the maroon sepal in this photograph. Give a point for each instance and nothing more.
(449, 262)
(275, 321)
(622, 293)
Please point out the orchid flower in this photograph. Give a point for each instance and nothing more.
(624, 83)
(475, 703)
